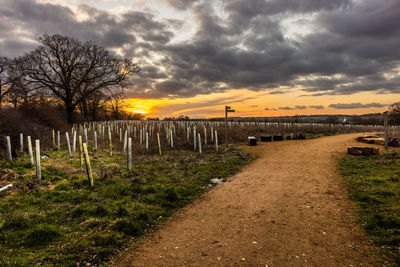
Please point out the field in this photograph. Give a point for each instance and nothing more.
(373, 183)
(62, 219)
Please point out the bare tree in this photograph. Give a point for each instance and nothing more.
(71, 70)
(96, 103)
(116, 104)
(394, 113)
(21, 90)
(5, 81)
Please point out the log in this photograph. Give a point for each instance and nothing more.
(362, 151)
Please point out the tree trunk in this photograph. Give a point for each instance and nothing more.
(85, 110)
(70, 109)
(94, 115)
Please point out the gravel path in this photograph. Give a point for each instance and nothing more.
(288, 208)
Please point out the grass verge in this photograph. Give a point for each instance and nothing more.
(61, 221)
(373, 183)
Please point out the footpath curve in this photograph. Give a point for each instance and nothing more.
(287, 208)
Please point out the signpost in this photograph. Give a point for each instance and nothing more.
(227, 109)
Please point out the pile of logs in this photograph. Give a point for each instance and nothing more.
(374, 139)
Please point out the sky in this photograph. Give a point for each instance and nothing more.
(261, 57)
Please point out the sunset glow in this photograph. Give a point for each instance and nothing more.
(263, 57)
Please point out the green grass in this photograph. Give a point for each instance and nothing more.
(61, 221)
(374, 184)
(315, 136)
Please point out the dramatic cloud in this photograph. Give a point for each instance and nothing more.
(317, 107)
(286, 108)
(300, 107)
(323, 47)
(356, 105)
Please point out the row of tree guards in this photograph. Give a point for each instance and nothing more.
(155, 136)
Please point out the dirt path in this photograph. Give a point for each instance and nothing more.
(288, 208)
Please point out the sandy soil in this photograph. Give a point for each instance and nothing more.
(288, 208)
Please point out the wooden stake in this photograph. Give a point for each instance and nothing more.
(216, 140)
(68, 144)
(147, 141)
(205, 136)
(21, 142)
(88, 167)
(386, 120)
(95, 140)
(30, 151)
(125, 140)
(58, 140)
(37, 154)
(129, 153)
(80, 151)
(199, 138)
(74, 143)
(194, 138)
(54, 140)
(9, 148)
(159, 144)
(110, 142)
(172, 139)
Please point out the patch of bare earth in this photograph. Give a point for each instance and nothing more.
(288, 208)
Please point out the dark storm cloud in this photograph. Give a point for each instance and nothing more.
(101, 27)
(353, 50)
(356, 105)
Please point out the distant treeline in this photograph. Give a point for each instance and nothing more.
(367, 119)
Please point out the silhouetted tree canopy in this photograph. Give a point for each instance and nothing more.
(73, 71)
